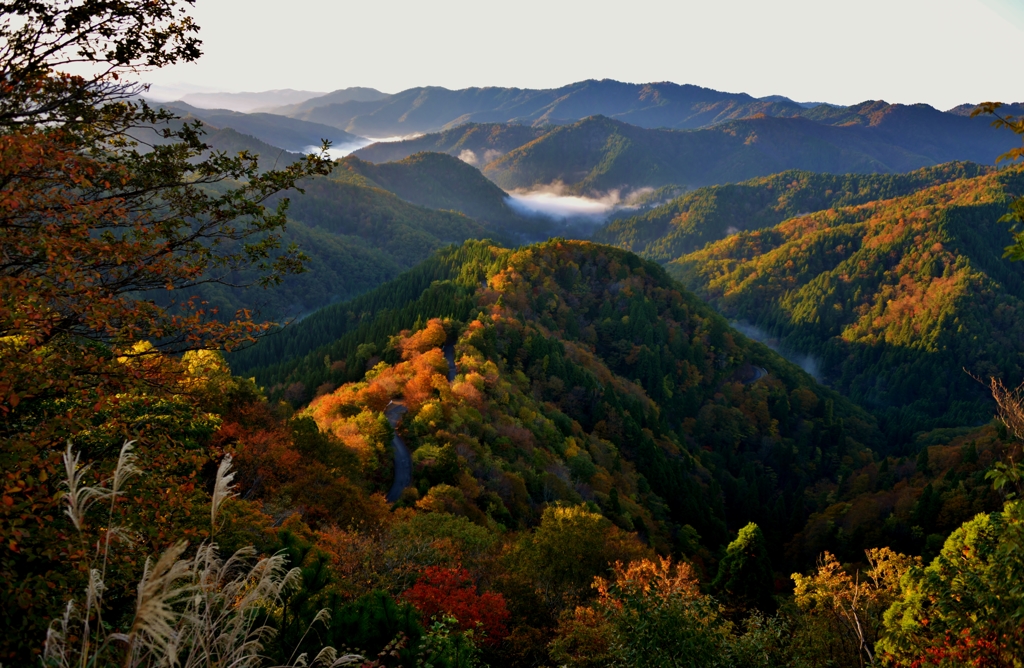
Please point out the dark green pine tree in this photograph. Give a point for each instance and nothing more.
(745, 576)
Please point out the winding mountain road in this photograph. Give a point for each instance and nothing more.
(403, 458)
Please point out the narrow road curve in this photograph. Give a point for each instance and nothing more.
(403, 458)
(449, 354)
(759, 373)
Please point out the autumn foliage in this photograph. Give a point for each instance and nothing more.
(451, 591)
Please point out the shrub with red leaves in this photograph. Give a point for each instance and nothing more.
(451, 591)
(966, 650)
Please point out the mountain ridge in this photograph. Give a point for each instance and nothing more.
(896, 298)
(688, 222)
(599, 154)
(284, 132)
(661, 104)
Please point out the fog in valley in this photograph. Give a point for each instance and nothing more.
(808, 363)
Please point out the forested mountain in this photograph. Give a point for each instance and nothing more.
(580, 376)
(475, 143)
(909, 503)
(600, 154)
(603, 351)
(290, 134)
(405, 231)
(439, 181)
(356, 237)
(899, 299)
(688, 222)
(1012, 108)
(338, 267)
(233, 142)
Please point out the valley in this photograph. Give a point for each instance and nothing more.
(595, 374)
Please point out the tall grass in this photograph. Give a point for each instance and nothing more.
(192, 610)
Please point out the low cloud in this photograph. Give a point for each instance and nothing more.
(560, 207)
(552, 202)
(808, 363)
(341, 150)
(471, 157)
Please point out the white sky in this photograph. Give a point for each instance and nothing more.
(943, 52)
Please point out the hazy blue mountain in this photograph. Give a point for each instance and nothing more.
(653, 105)
(353, 94)
(1012, 108)
(232, 141)
(784, 99)
(291, 134)
(247, 102)
(428, 109)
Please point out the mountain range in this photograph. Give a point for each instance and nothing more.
(251, 101)
(654, 105)
(599, 154)
(427, 109)
(847, 172)
(594, 137)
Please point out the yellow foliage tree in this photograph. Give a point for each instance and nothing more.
(846, 611)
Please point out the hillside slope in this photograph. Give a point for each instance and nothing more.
(582, 369)
(897, 298)
(351, 94)
(406, 232)
(232, 142)
(688, 222)
(356, 237)
(439, 181)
